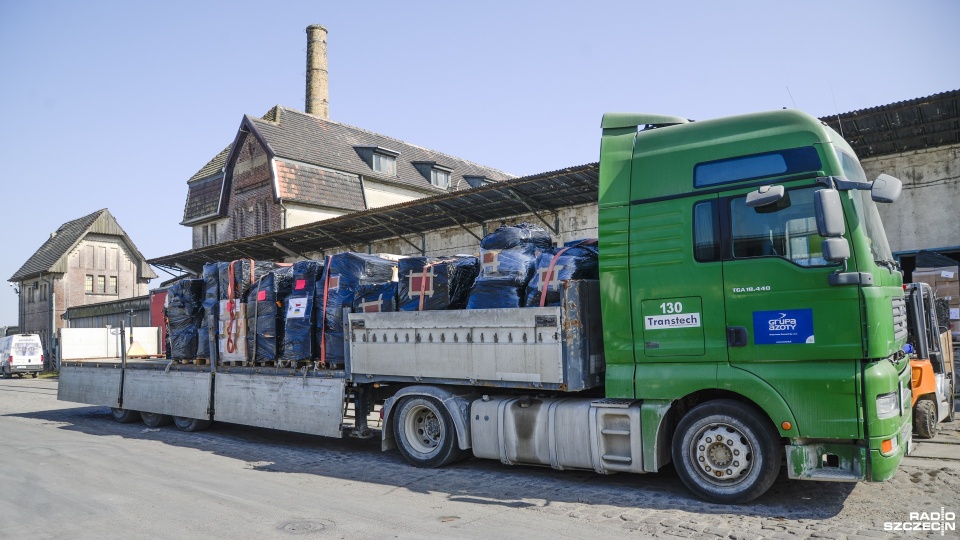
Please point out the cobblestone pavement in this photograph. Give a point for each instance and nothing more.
(464, 500)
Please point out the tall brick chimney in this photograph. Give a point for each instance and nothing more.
(318, 103)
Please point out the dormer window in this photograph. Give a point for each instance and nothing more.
(440, 178)
(476, 181)
(385, 164)
(380, 159)
(437, 174)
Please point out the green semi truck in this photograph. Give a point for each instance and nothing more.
(748, 314)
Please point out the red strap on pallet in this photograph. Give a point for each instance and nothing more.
(549, 276)
(323, 314)
(231, 339)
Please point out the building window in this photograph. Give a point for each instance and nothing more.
(206, 237)
(101, 284)
(440, 178)
(113, 285)
(213, 233)
(385, 164)
(88, 284)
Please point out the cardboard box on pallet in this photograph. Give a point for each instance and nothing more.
(945, 282)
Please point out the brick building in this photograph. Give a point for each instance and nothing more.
(86, 261)
(290, 168)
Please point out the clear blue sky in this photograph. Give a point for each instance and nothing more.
(115, 104)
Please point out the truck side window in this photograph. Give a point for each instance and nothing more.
(787, 230)
(706, 232)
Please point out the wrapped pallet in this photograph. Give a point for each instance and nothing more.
(376, 298)
(428, 283)
(182, 308)
(265, 316)
(236, 278)
(299, 316)
(576, 260)
(508, 257)
(211, 298)
(342, 274)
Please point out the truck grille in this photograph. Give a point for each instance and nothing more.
(899, 318)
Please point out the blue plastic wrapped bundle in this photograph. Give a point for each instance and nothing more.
(298, 313)
(182, 307)
(343, 273)
(510, 236)
(428, 283)
(508, 257)
(264, 316)
(577, 260)
(211, 296)
(376, 298)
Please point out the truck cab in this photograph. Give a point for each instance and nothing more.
(764, 300)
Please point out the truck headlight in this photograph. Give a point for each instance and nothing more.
(888, 405)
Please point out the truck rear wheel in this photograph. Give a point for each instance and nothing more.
(6, 372)
(155, 420)
(925, 418)
(425, 433)
(726, 452)
(125, 416)
(190, 424)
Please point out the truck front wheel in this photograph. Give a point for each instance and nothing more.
(726, 452)
(425, 433)
(125, 416)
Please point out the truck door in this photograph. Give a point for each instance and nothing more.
(785, 323)
(681, 310)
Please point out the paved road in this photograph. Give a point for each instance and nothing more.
(70, 471)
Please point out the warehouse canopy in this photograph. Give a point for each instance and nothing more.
(540, 194)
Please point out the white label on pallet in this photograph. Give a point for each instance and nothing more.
(954, 313)
(947, 274)
(296, 308)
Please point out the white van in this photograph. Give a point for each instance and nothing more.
(21, 353)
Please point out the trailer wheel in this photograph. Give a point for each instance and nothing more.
(156, 420)
(925, 418)
(425, 433)
(190, 424)
(125, 416)
(726, 452)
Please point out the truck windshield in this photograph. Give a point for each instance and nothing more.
(866, 209)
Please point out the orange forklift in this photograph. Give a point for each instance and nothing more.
(930, 345)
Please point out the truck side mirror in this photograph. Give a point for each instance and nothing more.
(829, 212)
(886, 189)
(764, 196)
(835, 249)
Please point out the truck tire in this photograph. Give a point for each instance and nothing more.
(726, 452)
(125, 416)
(951, 414)
(34, 374)
(190, 424)
(425, 433)
(6, 372)
(925, 418)
(155, 420)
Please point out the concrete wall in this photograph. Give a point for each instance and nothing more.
(927, 216)
(299, 214)
(378, 194)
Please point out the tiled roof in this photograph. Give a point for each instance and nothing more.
(302, 183)
(305, 138)
(203, 199)
(51, 257)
